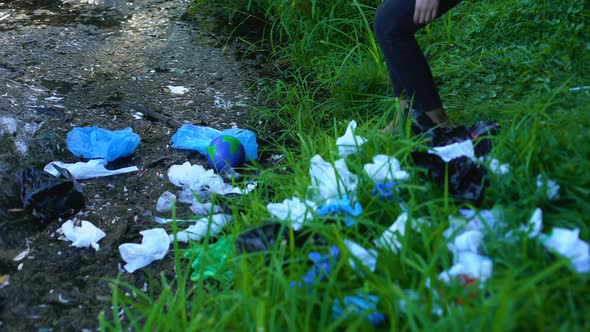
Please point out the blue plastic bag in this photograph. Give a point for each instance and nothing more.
(94, 142)
(191, 137)
(360, 304)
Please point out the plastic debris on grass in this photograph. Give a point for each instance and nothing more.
(566, 242)
(367, 257)
(154, 246)
(94, 142)
(213, 260)
(361, 304)
(455, 150)
(549, 186)
(191, 137)
(87, 170)
(384, 169)
(266, 236)
(293, 210)
(81, 233)
(165, 202)
(341, 206)
(390, 239)
(202, 227)
(349, 143)
(331, 181)
(322, 267)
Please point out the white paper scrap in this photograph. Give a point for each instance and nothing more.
(154, 246)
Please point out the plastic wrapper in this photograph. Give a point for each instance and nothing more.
(455, 150)
(154, 246)
(391, 237)
(165, 202)
(50, 197)
(349, 143)
(471, 265)
(550, 187)
(191, 137)
(95, 142)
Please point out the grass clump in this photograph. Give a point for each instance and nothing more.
(513, 61)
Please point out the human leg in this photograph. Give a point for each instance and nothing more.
(408, 68)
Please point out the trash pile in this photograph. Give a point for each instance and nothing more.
(455, 160)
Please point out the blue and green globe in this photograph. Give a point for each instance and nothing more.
(225, 151)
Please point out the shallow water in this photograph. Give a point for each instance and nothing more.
(74, 63)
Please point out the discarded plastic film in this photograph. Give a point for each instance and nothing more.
(87, 170)
(265, 237)
(358, 305)
(350, 143)
(191, 137)
(214, 261)
(199, 230)
(83, 235)
(48, 196)
(95, 142)
(342, 206)
(467, 180)
(154, 246)
(322, 267)
(293, 210)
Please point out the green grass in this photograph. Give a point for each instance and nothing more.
(513, 61)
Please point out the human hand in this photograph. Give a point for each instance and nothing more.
(425, 11)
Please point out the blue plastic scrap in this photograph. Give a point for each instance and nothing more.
(98, 143)
(342, 206)
(360, 304)
(322, 267)
(386, 190)
(198, 138)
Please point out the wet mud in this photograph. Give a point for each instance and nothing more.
(76, 63)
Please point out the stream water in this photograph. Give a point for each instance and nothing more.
(76, 63)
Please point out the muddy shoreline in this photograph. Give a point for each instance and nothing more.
(76, 63)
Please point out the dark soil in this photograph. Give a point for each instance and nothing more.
(76, 63)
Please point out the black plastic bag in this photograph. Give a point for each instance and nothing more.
(265, 237)
(49, 197)
(467, 180)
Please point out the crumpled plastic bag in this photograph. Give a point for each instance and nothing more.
(191, 137)
(196, 180)
(360, 304)
(93, 168)
(165, 202)
(566, 242)
(341, 206)
(94, 142)
(265, 237)
(83, 236)
(455, 150)
(198, 231)
(322, 267)
(48, 196)
(293, 210)
(349, 143)
(214, 261)
(467, 180)
(154, 246)
(390, 238)
(550, 187)
(469, 264)
(368, 257)
(385, 168)
(331, 181)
